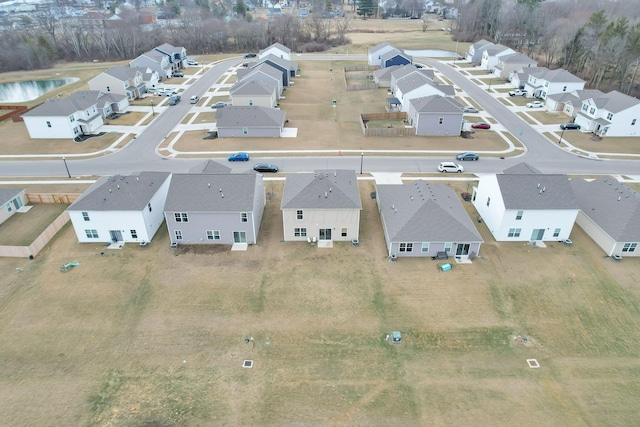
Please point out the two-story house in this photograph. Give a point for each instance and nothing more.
(120, 80)
(545, 82)
(417, 86)
(491, 54)
(474, 54)
(508, 63)
(612, 114)
(277, 49)
(436, 115)
(249, 92)
(155, 61)
(177, 55)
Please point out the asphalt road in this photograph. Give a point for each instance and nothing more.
(140, 155)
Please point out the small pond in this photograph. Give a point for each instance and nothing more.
(31, 89)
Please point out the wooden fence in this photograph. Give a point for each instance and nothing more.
(386, 132)
(361, 67)
(41, 241)
(359, 76)
(15, 112)
(66, 198)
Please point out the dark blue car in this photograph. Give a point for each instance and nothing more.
(239, 157)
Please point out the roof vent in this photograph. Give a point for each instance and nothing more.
(619, 198)
(222, 195)
(393, 206)
(329, 189)
(118, 185)
(395, 210)
(109, 190)
(544, 189)
(411, 197)
(137, 179)
(326, 194)
(220, 190)
(540, 192)
(209, 185)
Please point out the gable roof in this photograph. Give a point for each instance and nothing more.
(122, 73)
(264, 68)
(536, 191)
(77, 101)
(576, 97)
(253, 87)
(277, 61)
(610, 204)
(278, 46)
(517, 58)
(615, 101)
(404, 70)
(249, 116)
(6, 194)
(436, 104)
(210, 167)
(211, 192)
(521, 168)
(120, 192)
(323, 189)
(393, 53)
(424, 212)
(496, 49)
(558, 76)
(169, 49)
(415, 81)
(481, 44)
(380, 46)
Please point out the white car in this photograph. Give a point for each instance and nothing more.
(518, 92)
(191, 62)
(535, 104)
(445, 167)
(194, 99)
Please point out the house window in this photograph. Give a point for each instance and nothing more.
(76, 130)
(344, 232)
(488, 201)
(108, 88)
(48, 124)
(592, 111)
(519, 215)
(564, 89)
(245, 131)
(8, 206)
(72, 119)
(546, 84)
(299, 214)
(85, 216)
(585, 107)
(149, 207)
(629, 247)
(447, 247)
(91, 234)
(556, 232)
(406, 247)
(251, 102)
(178, 235)
(514, 232)
(633, 122)
(300, 232)
(425, 247)
(134, 234)
(244, 217)
(610, 116)
(181, 217)
(213, 235)
(440, 120)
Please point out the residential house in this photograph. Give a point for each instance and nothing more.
(491, 54)
(374, 56)
(263, 72)
(611, 114)
(210, 167)
(436, 115)
(121, 208)
(254, 92)
(508, 63)
(276, 49)
(205, 209)
(177, 55)
(476, 50)
(522, 204)
(570, 102)
(120, 80)
(154, 61)
(323, 205)
(95, 20)
(547, 82)
(417, 86)
(403, 71)
(395, 57)
(421, 219)
(289, 69)
(150, 79)
(520, 76)
(609, 213)
(249, 122)
(11, 199)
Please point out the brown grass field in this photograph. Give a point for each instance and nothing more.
(154, 337)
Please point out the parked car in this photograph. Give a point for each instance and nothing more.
(418, 66)
(151, 90)
(481, 125)
(518, 92)
(469, 109)
(569, 126)
(160, 92)
(445, 167)
(265, 167)
(239, 157)
(174, 100)
(467, 156)
(191, 62)
(194, 99)
(219, 104)
(535, 104)
(250, 55)
(177, 75)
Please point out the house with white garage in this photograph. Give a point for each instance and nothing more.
(154, 61)
(611, 114)
(520, 76)
(421, 219)
(491, 54)
(121, 208)
(374, 55)
(211, 209)
(249, 122)
(417, 86)
(324, 205)
(609, 213)
(570, 102)
(125, 81)
(11, 199)
(474, 54)
(545, 82)
(522, 204)
(508, 63)
(277, 49)
(254, 92)
(398, 73)
(177, 55)
(436, 115)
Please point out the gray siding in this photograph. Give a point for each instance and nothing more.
(428, 124)
(434, 248)
(194, 232)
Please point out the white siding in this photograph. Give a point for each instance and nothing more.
(316, 219)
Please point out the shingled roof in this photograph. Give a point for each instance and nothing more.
(323, 189)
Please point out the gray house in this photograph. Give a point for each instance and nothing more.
(609, 213)
(570, 102)
(11, 199)
(254, 92)
(249, 122)
(155, 61)
(177, 55)
(120, 80)
(263, 72)
(436, 115)
(477, 49)
(422, 219)
(204, 209)
(289, 69)
(400, 72)
(508, 63)
(374, 56)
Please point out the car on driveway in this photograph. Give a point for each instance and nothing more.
(445, 167)
(239, 157)
(481, 125)
(219, 104)
(467, 156)
(265, 167)
(191, 62)
(535, 104)
(469, 109)
(569, 126)
(177, 75)
(518, 92)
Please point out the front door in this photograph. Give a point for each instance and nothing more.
(325, 234)
(116, 235)
(538, 234)
(239, 237)
(462, 249)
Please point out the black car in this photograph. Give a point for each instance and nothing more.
(265, 167)
(568, 126)
(250, 55)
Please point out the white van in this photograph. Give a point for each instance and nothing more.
(194, 99)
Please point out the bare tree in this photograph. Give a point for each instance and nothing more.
(342, 27)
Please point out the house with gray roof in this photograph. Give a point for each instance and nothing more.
(249, 122)
(120, 80)
(121, 208)
(324, 205)
(416, 86)
(374, 55)
(211, 209)
(398, 73)
(421, 219)
(508, 63)
(177, 55)
(155, 61)
(436, 115)
(522, 204)
(262, 72)
(474, 54)
(276, 49)
(395, 57)
(520, 76)
(288, 68)
(545, 82)
(609, 213)
(570, 102)
(491, 54)
(210, 167)
(11, 200)
(249, 92)
(80, 113)
(611, 114)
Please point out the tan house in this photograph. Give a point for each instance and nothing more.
(254, 92)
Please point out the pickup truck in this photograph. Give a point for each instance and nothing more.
(518, 92)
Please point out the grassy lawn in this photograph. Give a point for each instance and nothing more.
(128, 119)
(21, 229)
(550, 117)
(583, 141)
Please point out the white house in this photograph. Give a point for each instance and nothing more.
(120, 80)
(324, 205)
(402, 71)
(155, 61)
(520, 76)
(418, 86)
(121, 208)
(477, 49)
(508, 63)
(374, 55)
(522, 204)
(611, 114)
(570, 102)
(177, 55)
(491, 54)
(276, 49)
(11, 199)
(545, 82)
